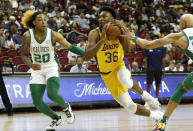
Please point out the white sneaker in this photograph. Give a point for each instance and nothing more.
(69, 115)
(152, 102)
(54, 124)
(146, 106)
(156, 115)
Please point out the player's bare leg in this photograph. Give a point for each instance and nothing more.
(172, 105)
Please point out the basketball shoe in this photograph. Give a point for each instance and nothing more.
(54, 124)
(152, 102)
(156, 115)
(160, 126)
(69, 115)
(147, 106)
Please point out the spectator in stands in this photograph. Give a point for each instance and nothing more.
(82, 22)
(9, 44)
(87, 65)
(6, 5)
(71, 63)
(81, 6)
(171, 66)
(2, 38)
(51, 22)
(135, 67)
(76, 32)
(5, 19)
(160, 12)
(1, 14)
(134, 25)
(156, 29)
(12, 20)
(17, 38)
(8, 65)
(154, 65)
(58, 20)
(79, 67)
(82, 43)
(66, 29)
(178, 67)
(144, 14)
(13, 28)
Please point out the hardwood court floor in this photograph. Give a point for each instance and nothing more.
(116, 119)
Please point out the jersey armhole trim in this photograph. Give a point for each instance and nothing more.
(186, 39)
(52, 38)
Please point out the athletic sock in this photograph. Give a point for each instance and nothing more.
(56, 117)
(146, 96)
(164, 119)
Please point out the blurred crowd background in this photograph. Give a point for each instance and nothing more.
(150, 19)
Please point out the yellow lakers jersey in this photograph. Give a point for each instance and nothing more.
(110, 55)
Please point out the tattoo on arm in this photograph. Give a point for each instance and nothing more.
(25, 50)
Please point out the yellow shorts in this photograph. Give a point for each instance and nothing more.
(113, 84)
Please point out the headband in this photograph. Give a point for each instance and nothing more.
(34, 16)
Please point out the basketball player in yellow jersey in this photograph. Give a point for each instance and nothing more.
(116, 76)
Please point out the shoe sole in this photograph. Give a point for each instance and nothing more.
(50, 130)
(73, 120)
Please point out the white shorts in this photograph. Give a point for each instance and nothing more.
(46, 72)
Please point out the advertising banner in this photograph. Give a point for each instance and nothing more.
(84, 88)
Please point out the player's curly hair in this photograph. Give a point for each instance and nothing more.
(108, 9)
(28, 18)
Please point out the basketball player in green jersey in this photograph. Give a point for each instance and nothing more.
(184, 40)
(40, 41)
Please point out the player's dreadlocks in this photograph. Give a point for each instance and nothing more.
(28, 18)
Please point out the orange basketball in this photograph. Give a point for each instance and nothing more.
(113, 32)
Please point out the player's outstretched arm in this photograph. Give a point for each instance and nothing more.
(25, 50)
(171, 38)
(57, 37)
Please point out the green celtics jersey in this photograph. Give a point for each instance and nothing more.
(42, 52)
(189, 37)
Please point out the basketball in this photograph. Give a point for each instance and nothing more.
(113, 32)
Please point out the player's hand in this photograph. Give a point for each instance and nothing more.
(127, 33)
(36, 66)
